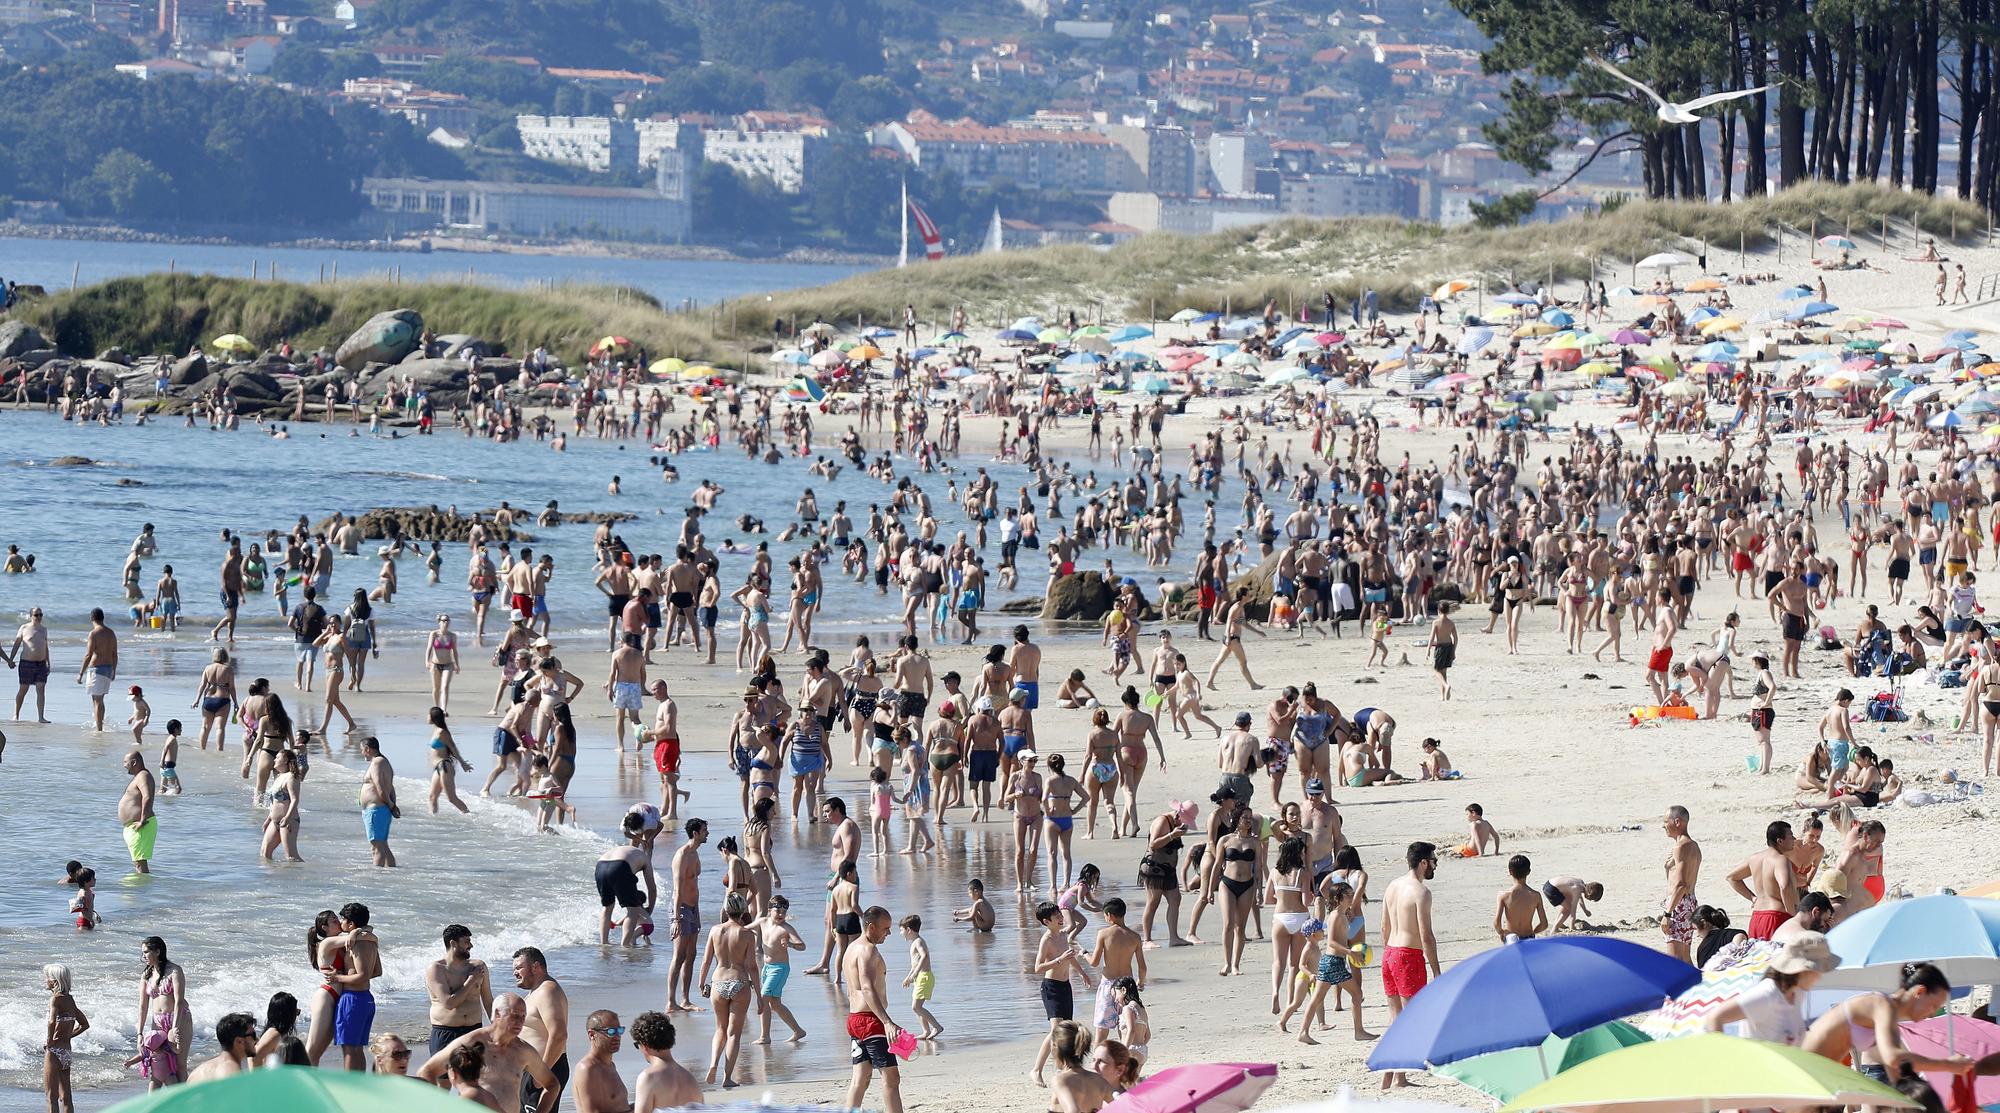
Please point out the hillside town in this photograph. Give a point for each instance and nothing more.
(1163, 120)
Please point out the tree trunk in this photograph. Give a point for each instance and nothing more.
(1755, 172)
(1791, 73)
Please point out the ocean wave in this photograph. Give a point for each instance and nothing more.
(425, 475)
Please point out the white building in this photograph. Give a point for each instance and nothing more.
(1193, 216)
(523, 209)
(1343, 193)
(788, 158)
(1233, 161)
(597, 143)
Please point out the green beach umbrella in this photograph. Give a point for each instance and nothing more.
(300, 1090)
(1053, 335)
(1091, 330)
(1542, 401)
(1508, 1074)
(1706, 1073)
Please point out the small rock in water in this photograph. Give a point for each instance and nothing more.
(71, 462)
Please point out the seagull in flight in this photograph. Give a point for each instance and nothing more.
(1683, 113)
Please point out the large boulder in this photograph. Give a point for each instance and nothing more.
(114, 354)
(188, 369)
(454, 346)
(18, 338)
(1084, 595)
(433, 374)
(422, 523)
(385, 338)
(1261, 580)
(250, 385)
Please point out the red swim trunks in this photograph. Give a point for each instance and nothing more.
(523, 603)
(1764, 922)
(1403, 971)
(1741, 561)
(1660, 659)
(667, 756)
(860, 1026)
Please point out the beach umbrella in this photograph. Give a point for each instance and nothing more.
(1082, 359)
(698, 373)
(1154, 384)
(1665, 260)
(300, 1090)
(1029, 323)
(1683, 388)
(819, 328)
(1185, 316)
(1090, 330)
(1591, 339)
(1703, 285)
(1131, 355)
(1098, 343)
(926, 353)
(1199, 1088)
(669, 367)
(1559, 985)
(953, 340)
(827, 360)
(1706, 1072)
(1887, 323)
(1947, 420)
(1473, 339)
(1541, 402)
(1839, 243)
(1624, 292)
(782, 355)
(1559, 317)
(1183, 361)
(1596, 368)
(1241, 359)
(1960, 935)
(1769, 316)
(231, 342)
(1016, 336)
(1703, 313)
(1052, 336)
(1515, 299)
(1794, 293)
(1960, 334)
(805, 390)
(1719, 325)
(959, 371)
(1508, 1074)
(1940, 1037)
(1344, 1101)
(1286, 375)
(847, 345)
(1505, 313)
(1451, 289)
(1130, 333)
(1629, 336)
(1716, 349)
(1217, 351)
(1683, 1015)
(864, 351)
(611, 345)
(1536, 328)
(1232, 380)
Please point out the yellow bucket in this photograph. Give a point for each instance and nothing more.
(158, 622)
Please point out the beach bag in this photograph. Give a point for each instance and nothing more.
(1947, 678)
(1882, 708)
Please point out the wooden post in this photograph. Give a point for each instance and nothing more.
(74, 269)
(322, 272)
(336, 270)
(1742, 243)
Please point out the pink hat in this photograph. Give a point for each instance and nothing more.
(1186, 810)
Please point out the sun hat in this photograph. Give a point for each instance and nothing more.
(1803, 952)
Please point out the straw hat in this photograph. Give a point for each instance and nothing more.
(1803, 952)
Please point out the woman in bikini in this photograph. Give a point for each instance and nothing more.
(1133, 726)
(283, 814)
(1075, 1088)
(1287, 893)
(330, 641)
(1061, 815)
(1869, 1027)
(1988, 679)
(732, 957)
(735, 871)
(1184, 698)
(864, 692)
(325, 999)
(441, 657)
(1024, 795)
(766, 754)
(66, 1022)
(996, 677)
(1101, 782)
(166, 1025)
(216, 697)
(757, 855)
(445, 761)
(1240, 867)
(947, 760)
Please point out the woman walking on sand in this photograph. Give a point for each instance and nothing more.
(1100, 783)
(441, 654)
(1240, 862)
(1133, 725)
(281, 821)
(358, 639)
(445, 761)
(331, 640)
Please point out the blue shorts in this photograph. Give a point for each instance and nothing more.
(1940, 511)
(353, 1016)
(504, 742)
(170, 607)
(1014, 743)
(1956, 625)
(982, 766)
(541, 605)
(307, 651)
(772, 983)
(375, 820)
(1034, 690)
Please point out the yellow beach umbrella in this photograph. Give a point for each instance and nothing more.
(667, 368)
(1504, 312)
(611, 344)
(233, 343)
(1596, 368)
(864, 351)
(695, 372)
(1715, 325)
(1536, 328)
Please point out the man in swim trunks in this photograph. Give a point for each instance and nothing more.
(665, 738)
(626, 685)
(1025, 658)
(619, 871)
(378, 801)
(29, 655)
(1770, 890)
(1683, 869)
(355, 1014)
(1665, 626)
(100, 660)
(687, 915)
(1793, 597)
(1409, 956)
(869, 1026)
(135, 812)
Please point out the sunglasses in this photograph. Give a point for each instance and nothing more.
(614, 1030)
(399, 1054)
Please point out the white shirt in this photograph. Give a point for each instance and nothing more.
(1768, 1015)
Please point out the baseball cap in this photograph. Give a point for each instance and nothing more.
(1315, 787)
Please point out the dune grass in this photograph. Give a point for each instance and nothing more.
(1290, 263)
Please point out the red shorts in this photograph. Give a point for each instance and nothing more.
(667, 756)
(524, 603)
(1066, 568)
(860, 1026)
(1740, 561)
(1404, 971)
(1764, 922)
(1660, 659)
(1206, 595)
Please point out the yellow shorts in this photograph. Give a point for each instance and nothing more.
(925, 985)
(139, 839)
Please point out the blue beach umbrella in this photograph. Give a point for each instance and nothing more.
(1473, 340)
(1559, 318)
(1153, 384)
(1961, 338)
(1130, 333)
(1515, 299)
(1960, 935)
(1020, 335)
(1716, 349)
(1815, 308)
(1702, 314)
(1947, 420)
(1082, 359)
(1520, 994)
(1794, 293)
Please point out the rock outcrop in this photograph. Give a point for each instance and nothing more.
(385, 338)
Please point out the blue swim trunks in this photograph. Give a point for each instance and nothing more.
(772, 983)
(1034, 690)
(375, 820)
(353, 1017)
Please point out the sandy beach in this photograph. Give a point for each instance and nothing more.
(1542, 739)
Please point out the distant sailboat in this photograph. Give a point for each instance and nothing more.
(994, 236)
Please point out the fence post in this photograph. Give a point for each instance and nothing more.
(74, 269)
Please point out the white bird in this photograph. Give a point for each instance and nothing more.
(1683, 113)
